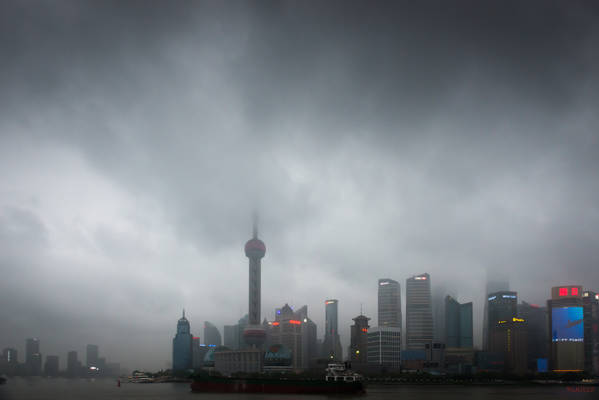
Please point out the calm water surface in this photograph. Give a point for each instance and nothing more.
(105, 389)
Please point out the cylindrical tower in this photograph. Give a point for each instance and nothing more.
(255, 249)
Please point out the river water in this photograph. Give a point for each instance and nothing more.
(106, 389)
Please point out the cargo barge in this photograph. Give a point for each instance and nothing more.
(337, 380)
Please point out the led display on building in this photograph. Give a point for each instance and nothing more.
(567, 324)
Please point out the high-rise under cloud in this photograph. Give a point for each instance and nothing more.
(419, 313)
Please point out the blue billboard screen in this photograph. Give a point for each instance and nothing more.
(567, 324)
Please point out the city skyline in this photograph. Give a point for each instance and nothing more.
(375, 142)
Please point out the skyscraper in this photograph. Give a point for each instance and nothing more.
(73, 364)
(389, 303)
(10, 355)
(287, 329)
(501, 306)
(231, 336)
(536, 320)
(91, 356)
(254, 334)
(419, 314)
(566, 321)
(33, 357)
(183, 346)
(211, 334)
(510, 338)
(458, 323)
(358, 346)
(51, 366)
(331, 347)
(492, 287)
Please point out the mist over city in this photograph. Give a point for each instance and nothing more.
(139, 140)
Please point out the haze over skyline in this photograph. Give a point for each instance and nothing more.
(454, 138)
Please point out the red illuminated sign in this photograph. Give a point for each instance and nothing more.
(275, 323)
(364, 330)
(295, 322)
(574, 291)
(563, 291)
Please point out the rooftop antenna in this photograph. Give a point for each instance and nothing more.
(361, 309)
(183, 313)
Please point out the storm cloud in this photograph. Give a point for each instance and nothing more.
(376, 139)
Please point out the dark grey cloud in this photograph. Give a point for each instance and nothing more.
(377, 140)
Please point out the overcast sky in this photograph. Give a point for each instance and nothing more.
(377, 140)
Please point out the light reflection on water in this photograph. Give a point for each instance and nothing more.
(106, 389)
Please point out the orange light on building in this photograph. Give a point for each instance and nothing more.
(364, 330)
(295, 322)
(276, 323)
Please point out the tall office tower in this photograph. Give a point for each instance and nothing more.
(492, 287)
(196, 353)
(590, 303)
(389, 304)
(242, 323)
(359, 339)
(566, 321)
(311, 343)
(419, 313)
(91, 356)
(183, 346)
(438, 294)
(458, 324)
(501, 306)
(73, 364)
(9, 361)
(33, 357)
(331, 347)
(10, 355)
(536, 320)
(231, 336)
(287, 330)
(211, 335)
(254, 334)
(384, 347)
(510, 338)
(51, 366)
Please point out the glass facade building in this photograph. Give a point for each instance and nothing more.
(501, 306)
(332, 344)
(419, 313)
(183, 346)
(384, 346)
(211, 335)
(389, 303)
(458, 324)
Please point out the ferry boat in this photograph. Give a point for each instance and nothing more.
(338, 379)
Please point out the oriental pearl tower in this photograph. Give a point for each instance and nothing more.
(254, 334)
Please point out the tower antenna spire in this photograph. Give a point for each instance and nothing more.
(183, 313)
(255, 225)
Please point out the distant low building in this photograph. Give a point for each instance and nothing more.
(228, 362)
